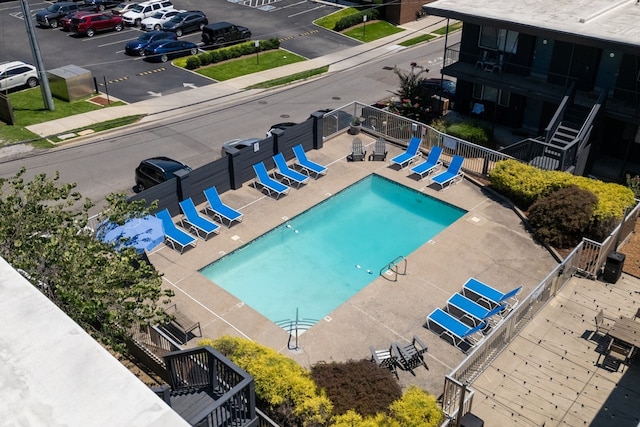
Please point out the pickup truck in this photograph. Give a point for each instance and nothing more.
(51, 16)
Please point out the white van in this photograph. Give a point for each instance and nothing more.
(137, 13)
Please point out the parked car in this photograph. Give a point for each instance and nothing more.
(138, 12)
(123, 7)
(163, 50)
(15, 74)
(186, 22)
(280, 126)
(101, 5)
(89, 25)
(50, 17)
(65, 23)
(155, 21)
(238, 144)
(153, 171)
(441, 87)
(137, 46)
(221, 34)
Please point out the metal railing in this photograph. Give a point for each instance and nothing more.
(205, 367)
(393, 127)
(587, 259)
(393, 266)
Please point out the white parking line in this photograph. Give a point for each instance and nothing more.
(306, 11)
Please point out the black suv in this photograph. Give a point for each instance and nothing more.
(221, 34)
(153, 171)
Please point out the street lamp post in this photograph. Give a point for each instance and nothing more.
(257, 45)
(364, 27)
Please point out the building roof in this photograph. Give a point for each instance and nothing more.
(599, 20)
(55, 374)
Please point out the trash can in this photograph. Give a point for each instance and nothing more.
(613, 267)
(471, 420)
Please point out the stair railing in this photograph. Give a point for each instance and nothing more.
(393, 267)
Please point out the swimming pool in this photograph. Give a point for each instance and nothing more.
(316, 261)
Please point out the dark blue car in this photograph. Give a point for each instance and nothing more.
(163, 50)
(137, 46)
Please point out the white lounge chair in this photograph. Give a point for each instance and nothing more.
(452, 175)
(268, 184)
(410, 155)
(218, 209)
(196, 223)
(307, 166)
(290, 176)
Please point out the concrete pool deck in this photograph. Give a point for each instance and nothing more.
(489, 243)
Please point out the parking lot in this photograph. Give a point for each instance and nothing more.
(133, 79)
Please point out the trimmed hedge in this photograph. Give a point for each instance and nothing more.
(470, 132)
(355, 19)
(225, 53)
(524, 184)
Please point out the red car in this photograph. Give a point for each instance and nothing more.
(89, 25)
(65, 23)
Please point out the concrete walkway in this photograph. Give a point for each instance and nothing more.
(234, 89)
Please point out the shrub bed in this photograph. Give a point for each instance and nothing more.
(223, 54)
(356, 19)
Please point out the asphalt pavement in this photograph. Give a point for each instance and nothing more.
(233, 89)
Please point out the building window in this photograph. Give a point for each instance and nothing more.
(491, 94)
(493, 38)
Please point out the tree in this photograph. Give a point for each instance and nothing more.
(43, 235)
(412, 104)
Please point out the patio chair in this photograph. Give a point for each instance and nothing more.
(268, 184)
(379, 150)
(173, 236)
(486, 295)
(196, 223)
(616, 354)
(385, 359)
(411, 355)
(603, 324)
(358, 153)
(411, 154)
(465, 308)
(307, 166)
(430, 165)
(287, 174)
(452, 175)
(462, 335)
(218, 209)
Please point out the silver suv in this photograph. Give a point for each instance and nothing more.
(137, 13)
(17, 74)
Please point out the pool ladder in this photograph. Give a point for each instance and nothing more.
(293, 326)
(393, 266)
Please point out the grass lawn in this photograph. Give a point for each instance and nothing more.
(29, 109)
(416, 40)
(329, 21)
(372, 31)
(249, 64)
(453, 27)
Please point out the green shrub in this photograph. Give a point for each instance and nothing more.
(469, 132)
(287, 388)
(193, 62)
(524, 184)
(355, 19)
(417, 409)
(358, 385)
(353, 419)
(634, 184)
(561, 218)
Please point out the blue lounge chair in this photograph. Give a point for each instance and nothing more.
(287, 174)
(463, 307)
(173, 236)
(430, 165)
(218, 209)
(307, 166)
(195, 222)
(452, 175)
(410, 155)
(486, 295)
(268, 184)
(442, 323)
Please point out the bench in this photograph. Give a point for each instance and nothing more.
(181, 325)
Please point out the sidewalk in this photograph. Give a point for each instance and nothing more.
(233, 90)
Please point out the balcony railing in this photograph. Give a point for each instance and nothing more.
(206, 369)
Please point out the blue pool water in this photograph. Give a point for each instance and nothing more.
(321, 258)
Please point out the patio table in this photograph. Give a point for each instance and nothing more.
(626, 330)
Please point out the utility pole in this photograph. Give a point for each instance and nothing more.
(35, 50)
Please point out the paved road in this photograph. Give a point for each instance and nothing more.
(106, 164)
